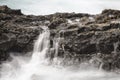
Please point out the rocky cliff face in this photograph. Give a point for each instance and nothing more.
(83, 36)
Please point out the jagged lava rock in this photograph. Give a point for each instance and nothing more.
(83, 35)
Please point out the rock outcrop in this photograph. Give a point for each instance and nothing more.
(83, 35)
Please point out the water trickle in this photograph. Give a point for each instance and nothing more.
(115, 47)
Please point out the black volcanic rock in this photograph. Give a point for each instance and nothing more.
(82, 35)
(5, 9)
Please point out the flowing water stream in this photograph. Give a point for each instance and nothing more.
(39, 67)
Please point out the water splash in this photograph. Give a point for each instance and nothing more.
(38, 67)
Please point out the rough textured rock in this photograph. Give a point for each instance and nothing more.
(83, 36)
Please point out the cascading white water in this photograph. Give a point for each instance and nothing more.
(38, 67)
(41, 46)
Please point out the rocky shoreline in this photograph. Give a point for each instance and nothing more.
(84, 36)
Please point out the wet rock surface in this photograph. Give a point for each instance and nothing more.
(83, 36)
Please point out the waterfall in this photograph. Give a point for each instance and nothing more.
(38, 67)
(41, 46)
